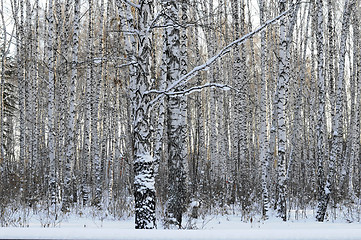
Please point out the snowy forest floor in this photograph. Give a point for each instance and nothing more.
(229, 226)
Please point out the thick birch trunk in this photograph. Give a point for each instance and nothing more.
(144, 189)
(70, 151)
(177, 150)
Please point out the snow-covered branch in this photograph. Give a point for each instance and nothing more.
(199, 88)
(185, 78)
(195, 89)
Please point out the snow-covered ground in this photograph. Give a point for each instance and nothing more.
(210, 227)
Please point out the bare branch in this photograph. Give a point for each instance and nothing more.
(184, 79)
(126, 64)
(131, 4)
(130, 31)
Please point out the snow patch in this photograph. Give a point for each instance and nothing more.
(210, 227)
(279, 233)
(194, 203)
(145, 158)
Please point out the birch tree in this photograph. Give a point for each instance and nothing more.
(95, 87)
(239, 100)
(336, 153)
(106, 105)
(87, 153)
(144, 190)
(263, 118)
(282, 88)
(177, 157)
(70, 152)
(51, 137)
(321, 113)
(356, 99)
(4, 54)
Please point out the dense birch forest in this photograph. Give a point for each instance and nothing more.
(164, 109)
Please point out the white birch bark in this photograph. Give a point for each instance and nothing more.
(177, 150)
(211, 111)
(95, 83)
(51, 90)
(160, 138)
(63, 80)
(312, 106)
(263, 138)
(282, 88)
(30, 96)
(336, 154)
(59, 86)
(70, 151)
(239, 80)
(106, 119)
(301, 99)
(144, 179)
(355, 147)
(345, 115)
(321, 123)
(3, 53)
(242, 114)
(86, 152)
(331, 56)
(19, 21)
(200, 154)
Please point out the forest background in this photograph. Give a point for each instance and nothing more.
(159, 108)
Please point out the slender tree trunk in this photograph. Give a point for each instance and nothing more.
(19, 21)
(343, 121)
(51, 105)
(331, 57)
(337, 154)
(86, 163)
(353, 139)
(263, 138)
(70, 152)
(321, 124)
(95, 83)
(3, 53)
(239, 78)
(282, 87)
(355, 148)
